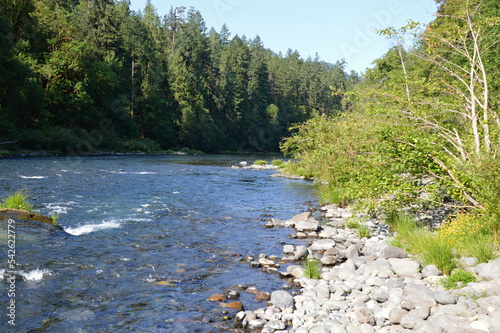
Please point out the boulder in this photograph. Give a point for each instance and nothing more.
(282, 299)
(322, 245)
(262, 296)
(394, 252)
(307, 225)
(405, 267)
(490, 270)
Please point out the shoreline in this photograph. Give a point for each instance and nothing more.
(367, 286)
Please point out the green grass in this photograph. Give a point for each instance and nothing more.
(312, 268)
(362, 229)
(458, 279)
(17, 200)
(421, 242)
(260, 162)
(481, 247)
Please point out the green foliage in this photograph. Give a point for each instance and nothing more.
(18, 200)
(124, 76)
(260, 162)
(458, 279)
(362, 229)
(312, 268)
(425, 244)
(278, 163)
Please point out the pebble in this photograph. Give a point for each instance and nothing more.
(367, 286)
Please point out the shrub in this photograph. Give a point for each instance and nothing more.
(260, 162)
(278, 163)
(458, 279)
(312, 268)
(17, 200)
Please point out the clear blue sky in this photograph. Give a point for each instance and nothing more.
(335, 29)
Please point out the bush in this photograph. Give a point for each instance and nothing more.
(312, 268)
(278, 163)
(142, 146)
(17, 200)
(458, 279)
(260, 162)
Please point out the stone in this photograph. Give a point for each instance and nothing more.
(232, 294)
(445, 298)
(319, 328)
(352, 252)
(26, 216)
(274, 325)
(396, 314)
(217, 298)
(301, 217)
(394, 252)
(380, 295)
(301, 252)
(329, 260)
(489, 271)
(288, 249)
(262, 296)
(405, 267)
(233, 305)
(307, 225)
(421, 311)
(328, 232)
(431, 270)
(282, 299)
(409, 321)
(322, 244)
(419, 294)
(256, 324)
(266, 262)
(365, 316)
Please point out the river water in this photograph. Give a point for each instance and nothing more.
(147, 240)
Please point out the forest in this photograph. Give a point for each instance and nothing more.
(79, 77)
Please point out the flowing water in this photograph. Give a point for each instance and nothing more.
(147, 239)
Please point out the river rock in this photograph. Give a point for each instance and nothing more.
(445, 298)
(262, 296)
(394, 252)
(490, 270)
(288, 249)
(301, 252)
(307, 225)
(322, 245)
(405, 267)
(396, 314)
(256, 324)
(282, 299)
(365, 316)
(431, 270)
(233, 305)
(217, 298)
(266, 262)
(301, 217)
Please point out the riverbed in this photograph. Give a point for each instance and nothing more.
(146, 241)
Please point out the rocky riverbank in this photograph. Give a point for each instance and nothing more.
(366, 286)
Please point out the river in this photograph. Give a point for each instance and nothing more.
(147, 240)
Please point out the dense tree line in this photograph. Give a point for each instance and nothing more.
(425, 127)
(78, 76)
